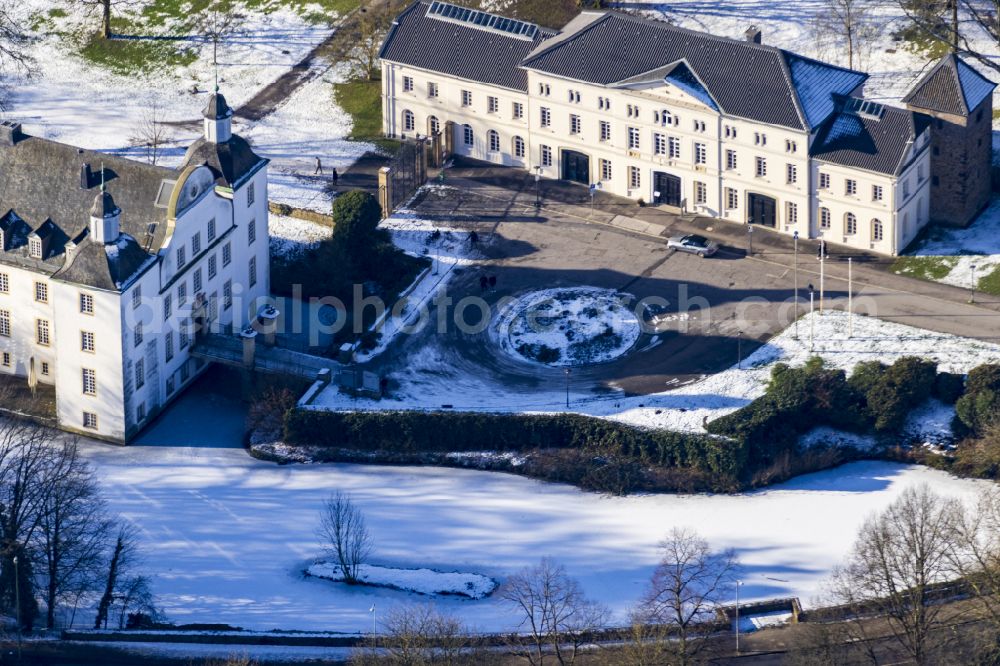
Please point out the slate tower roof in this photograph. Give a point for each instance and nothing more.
(951, 87)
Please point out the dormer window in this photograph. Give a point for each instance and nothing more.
(35, 247)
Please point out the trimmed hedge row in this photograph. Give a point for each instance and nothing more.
(430, 432)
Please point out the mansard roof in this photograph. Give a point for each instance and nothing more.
(231, 161)
(746, 79)
(462, 48)
(869, 136)
(951, 87)
(106, 266)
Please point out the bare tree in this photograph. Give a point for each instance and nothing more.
(104, 7)
(367, 31)
(687, 586)
(217, 22)
(958, 24)
(15, 57)
(151, 134)
(851, 25)
(124, 551)
(891, 572)
(420, 634)
(345, 535)
(556, 615)
(135, 595)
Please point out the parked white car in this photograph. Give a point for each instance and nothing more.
(694, 244)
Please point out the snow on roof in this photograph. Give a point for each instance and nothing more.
(683, 78)
(815, 84)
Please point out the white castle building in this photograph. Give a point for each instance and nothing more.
(732, 129)
(109, 268)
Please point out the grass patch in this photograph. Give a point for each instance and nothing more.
(135, 56)
(925, 268)
(362, 100)
(920, 43)
(996, 114)
(990, 283)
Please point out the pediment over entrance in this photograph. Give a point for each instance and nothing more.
(675, 82)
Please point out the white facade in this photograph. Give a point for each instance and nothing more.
(116, 358)
(652, 141)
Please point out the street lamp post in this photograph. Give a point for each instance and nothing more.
(795, 271)
(822, 273)
(972, 284)
(812, 320)
(739, 350)
(17, 603)
(750, 238)
(850, 297)
(567, 371)
(738, 584)
(538, 187)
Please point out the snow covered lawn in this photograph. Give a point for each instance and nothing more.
(226, 537)
(290, 236)
(423, 385)
(421, 581)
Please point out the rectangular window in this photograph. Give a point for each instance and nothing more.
(634, 177)
(906, 188)
(227, 294)
(253, 271)
(250, 195)
(4, 283)
(850, 187)
(184, 337)
(574, 124)
(546, 117)
(196, 281)
(605, 130)
(211, 230)
(633, 138)
(42, 331)
(90, 420)
(166, 306)
(168, 344)
(407, 84)
(824, 218)
(86, 304)
(791, 174)
(5, 323)
(170, 385)
(86, 341)
(140, 373)
(227, 254)
(45, 368)
(700, 192)
(196, 244)
(432, 89)
(41, 292)
(212, 267)
(5, 359)
(252, 231)
(492, 104)
(791, 213)
(732, 199)
(876, 193)
(605, 169)
(466, 98)
(182, 294)
(546, 156)
(700, 153)
(824, 181)
(518, 110)
(675, 147)
(730, 159)
(89, 382)
(35, 247)
(181, 257)
(140, 412)
(136, 296)
(467, 135)
(761, 168)
(659, 144)
(137, 334)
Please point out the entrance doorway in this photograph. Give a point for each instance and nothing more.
(761, 210)
(576, 167)
(666, 189)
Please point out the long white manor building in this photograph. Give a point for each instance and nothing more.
(109, 268)
(726, 128)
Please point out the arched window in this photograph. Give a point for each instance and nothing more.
(494, 140)
(824, 218)
(468, 138)
(877, 230)
(850, 224)
(518, 147)
(409, 123)
(433, 126)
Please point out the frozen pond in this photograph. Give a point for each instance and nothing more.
(226, 537)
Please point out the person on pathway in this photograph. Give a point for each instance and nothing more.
(319, 166)
(334, 176)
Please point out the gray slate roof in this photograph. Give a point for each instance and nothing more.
(747, 80)
(40, 189)
(462, 50)
(230, 161)
(868, 142)
(217, 107)
(105, 266)
(952, 87)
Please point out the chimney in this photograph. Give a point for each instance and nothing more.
(753, 34)
(85, 176)
(10, 132)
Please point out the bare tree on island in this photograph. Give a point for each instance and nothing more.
(345, 535)
(688, 585)
(898, 557)
(554, 613)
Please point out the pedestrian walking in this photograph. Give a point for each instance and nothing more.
(483, 282)
(334, 176)
(319, 166)
(493, 282)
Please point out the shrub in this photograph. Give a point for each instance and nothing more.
(948, 387)
(356, 216)
(980, 456)
(901, 387)
(979, 406)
